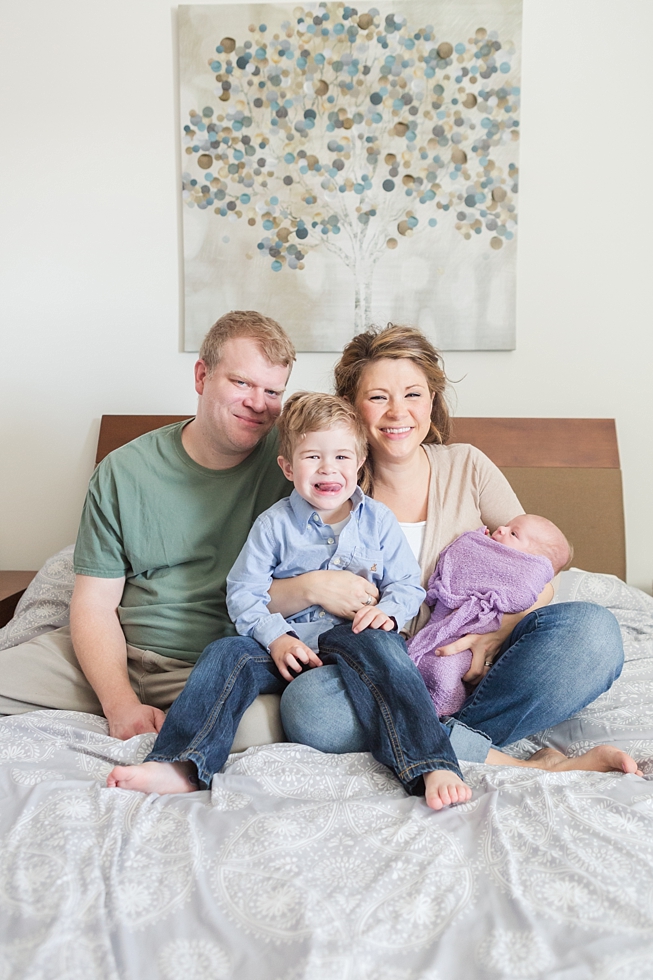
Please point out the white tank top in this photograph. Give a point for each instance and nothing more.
(414, 535)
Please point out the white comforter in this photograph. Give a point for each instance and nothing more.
(303, 865)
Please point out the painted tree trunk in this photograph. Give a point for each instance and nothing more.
(363, 301)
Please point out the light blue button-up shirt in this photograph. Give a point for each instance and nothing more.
(290, 539)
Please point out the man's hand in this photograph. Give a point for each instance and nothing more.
(134, 719)
(341, 593)
(289, 652)
(370, 618)
(484, 647)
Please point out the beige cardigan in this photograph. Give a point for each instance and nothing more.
(466, 490)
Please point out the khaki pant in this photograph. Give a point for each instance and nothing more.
(44, 673)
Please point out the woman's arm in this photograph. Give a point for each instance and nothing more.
(340, 593)
(485, 646)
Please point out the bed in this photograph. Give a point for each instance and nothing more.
(302, 866)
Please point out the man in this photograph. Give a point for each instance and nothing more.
(164, 519)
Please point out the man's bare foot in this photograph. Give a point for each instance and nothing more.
(603, 758)
(156, 777)
(444, 788)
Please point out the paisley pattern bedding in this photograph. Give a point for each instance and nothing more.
(303, 866)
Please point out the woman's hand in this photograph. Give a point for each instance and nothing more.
(340, 593)
(484, 647)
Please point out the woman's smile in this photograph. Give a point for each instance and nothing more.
(395, 403)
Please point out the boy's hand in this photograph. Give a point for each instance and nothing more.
(289, 652)
(372, 618)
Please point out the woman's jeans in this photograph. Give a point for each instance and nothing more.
(557, 660)
(380, 684)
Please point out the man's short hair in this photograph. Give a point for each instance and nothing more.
(269, 335)
(315, 411)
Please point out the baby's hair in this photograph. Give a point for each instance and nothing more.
(315, 411)
(552, 543)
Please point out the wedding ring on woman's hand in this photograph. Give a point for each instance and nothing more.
(369, 600)
(488, 663)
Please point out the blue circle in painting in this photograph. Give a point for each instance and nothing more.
(388, 185)
(276, 266)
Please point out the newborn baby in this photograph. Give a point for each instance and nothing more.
(479, 577)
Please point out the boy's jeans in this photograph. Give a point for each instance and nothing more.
(402, 730)
(557, 659)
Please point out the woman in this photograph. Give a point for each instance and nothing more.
(542, 666)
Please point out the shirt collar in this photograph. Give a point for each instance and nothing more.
(304, 512)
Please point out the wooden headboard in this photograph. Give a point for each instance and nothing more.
(565, 469)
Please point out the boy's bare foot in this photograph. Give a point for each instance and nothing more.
(444, 788)
(156, 777)
(603, 758)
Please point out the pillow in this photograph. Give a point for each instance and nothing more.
(45, 604)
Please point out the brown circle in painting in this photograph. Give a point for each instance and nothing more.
(445, 50)
(365, 21)
(228, 45)
(321, 88)
(470, 100)
(401, 128)
(205, 161)
(496, 242)
(458, 155)
(499, 195)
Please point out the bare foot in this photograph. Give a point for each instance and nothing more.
(444, 788)
(603, 758)
(156, 777)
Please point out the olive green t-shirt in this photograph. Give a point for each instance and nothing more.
(173, 528)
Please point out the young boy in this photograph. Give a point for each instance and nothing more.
(327, 522)
(479, 577)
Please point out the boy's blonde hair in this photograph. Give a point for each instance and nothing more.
(315, 411)
(272, 339)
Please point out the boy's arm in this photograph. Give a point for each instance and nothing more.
(401, 592)
(248, 586)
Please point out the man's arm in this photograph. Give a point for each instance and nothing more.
(101, 649)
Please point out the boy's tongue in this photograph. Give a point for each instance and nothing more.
(328, 487)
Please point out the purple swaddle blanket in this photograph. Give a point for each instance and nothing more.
(475, 580)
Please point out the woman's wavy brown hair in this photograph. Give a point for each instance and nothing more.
(394, 342)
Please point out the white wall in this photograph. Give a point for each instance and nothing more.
(90, 262)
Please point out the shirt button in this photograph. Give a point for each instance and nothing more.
(322, 614)
(330, 540)
(336, 561)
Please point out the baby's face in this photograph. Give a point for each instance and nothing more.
(519, 534)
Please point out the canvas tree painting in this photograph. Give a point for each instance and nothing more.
(344, 166)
